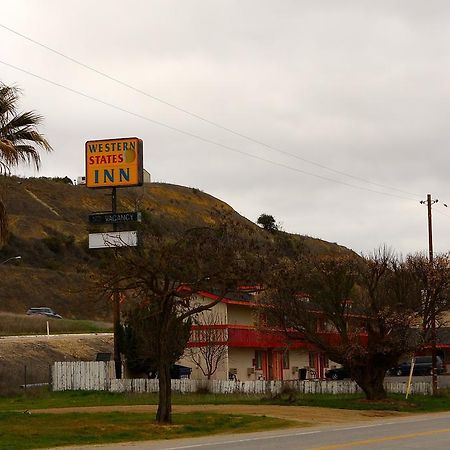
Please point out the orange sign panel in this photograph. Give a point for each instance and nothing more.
(114, 163)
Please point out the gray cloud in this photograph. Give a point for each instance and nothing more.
(360, 86)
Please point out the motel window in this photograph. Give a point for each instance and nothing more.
(286, 359)
(258, 359)
(312, 362)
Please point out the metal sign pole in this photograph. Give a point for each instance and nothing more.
(116, 302)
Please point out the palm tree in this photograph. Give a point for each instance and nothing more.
(19, 140)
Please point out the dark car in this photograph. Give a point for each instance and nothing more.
(338, 373)
(422, 366)
(43, 311)
(177, 372)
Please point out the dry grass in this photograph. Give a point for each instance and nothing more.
(24, 431)
(20, 324)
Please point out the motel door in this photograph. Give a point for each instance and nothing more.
(319, 362)
(271, 364)
(277, 365)
(265, 366)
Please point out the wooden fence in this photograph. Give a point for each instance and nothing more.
(262, 387)
(99, 376)
(82, 375)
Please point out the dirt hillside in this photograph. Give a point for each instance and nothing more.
(49, 230)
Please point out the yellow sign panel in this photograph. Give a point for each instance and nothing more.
(114, 163)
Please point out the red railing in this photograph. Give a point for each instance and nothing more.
(242, 336)
(250, 337)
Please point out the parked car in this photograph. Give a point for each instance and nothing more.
(338, 373)
(43, 311)
(177, 371)
(422, 366)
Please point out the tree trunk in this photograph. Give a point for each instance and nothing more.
(371, 381)
(164, 413)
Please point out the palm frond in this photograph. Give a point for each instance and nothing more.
(19, 138)
(25, 119)
(9, 96)
(26, 154)
(7, 152)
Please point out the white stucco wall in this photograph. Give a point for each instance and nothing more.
(240, 315)
(197, 374)
(241, 359)
(297, 359)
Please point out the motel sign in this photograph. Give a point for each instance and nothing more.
(114, 163)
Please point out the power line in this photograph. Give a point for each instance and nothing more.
(204, 119)
(442, 213)
(195, 136)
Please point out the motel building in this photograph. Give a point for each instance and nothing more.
(253, 352)
(250, 352)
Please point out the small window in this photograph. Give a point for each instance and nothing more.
(286, 359)
(258, 359)
(312, 359)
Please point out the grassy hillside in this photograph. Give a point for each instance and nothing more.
(49, 229)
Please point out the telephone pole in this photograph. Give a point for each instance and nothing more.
(429, 202)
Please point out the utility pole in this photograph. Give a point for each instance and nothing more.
(429, 202)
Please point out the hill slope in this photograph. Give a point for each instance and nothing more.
(49, 229)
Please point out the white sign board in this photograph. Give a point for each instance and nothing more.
(113, 239)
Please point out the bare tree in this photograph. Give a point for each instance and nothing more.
(162, 278)
(360, 312)
(432, 280)
(208, 344)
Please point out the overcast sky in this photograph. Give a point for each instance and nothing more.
(359, 88)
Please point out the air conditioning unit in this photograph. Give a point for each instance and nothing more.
(294, 369)
(233, 371)
(250, 371)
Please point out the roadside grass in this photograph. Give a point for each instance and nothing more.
(44, 399)
(23, 431)
(20, 324)
(394, 402)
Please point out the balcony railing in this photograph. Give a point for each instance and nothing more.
(240, 336)
(251, 337)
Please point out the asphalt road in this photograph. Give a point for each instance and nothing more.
(412, 432)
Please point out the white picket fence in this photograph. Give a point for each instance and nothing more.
(82, 375)
(262, 387)
(99, 376)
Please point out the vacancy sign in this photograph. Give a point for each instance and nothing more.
(114, 163)
(113, 239)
